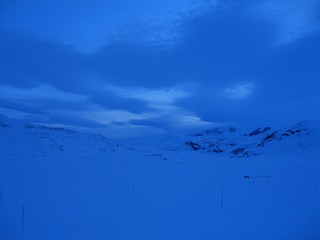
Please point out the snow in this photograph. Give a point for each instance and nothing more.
(60, 184)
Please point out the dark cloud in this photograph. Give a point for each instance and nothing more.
(23, 107)
(74, 121)
(215, 48)
(29, 61)
(244, 50)
(109, 100)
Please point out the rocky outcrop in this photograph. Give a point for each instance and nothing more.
(236, 144)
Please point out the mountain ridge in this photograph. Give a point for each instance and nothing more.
(229, 141)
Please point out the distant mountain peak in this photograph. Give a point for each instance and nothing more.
(237, 144)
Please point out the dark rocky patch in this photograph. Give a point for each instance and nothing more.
(215, 148)
(195, 146)
(232, 129)
(198, 135)
(259, 131)
(49, 128)
(238, 150)
(268, 139)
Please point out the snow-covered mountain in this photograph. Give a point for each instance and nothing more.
(37, 139)
(223, 183)
(230, 142)
(245, 144)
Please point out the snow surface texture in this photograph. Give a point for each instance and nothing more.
(220, 184)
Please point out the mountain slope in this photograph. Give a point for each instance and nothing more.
(245, 144)
(41, 139)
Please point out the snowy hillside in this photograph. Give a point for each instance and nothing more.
(246, 144)
(222, 184)
(230, 142)
(36, 139)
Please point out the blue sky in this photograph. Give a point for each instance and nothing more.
(129, 68)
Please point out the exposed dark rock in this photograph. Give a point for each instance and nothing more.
(198, 135)
(291, 131)
(195, 146)
(232, 129)
(269, 137)
(259, 131)
(215, 147)
(49, 128)
(238, 150)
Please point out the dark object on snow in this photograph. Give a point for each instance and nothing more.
(195, 146)
(259, 131)
(238, 150)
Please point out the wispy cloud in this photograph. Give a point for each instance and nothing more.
(163, 29)
(155, 97)
(118, 116)
(152, 22)
(239, 91)
(44, 92)
(15, 114)
(163, 104)
(162, 107)
(293, 18)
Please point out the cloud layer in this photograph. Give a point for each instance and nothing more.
(198, 64)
